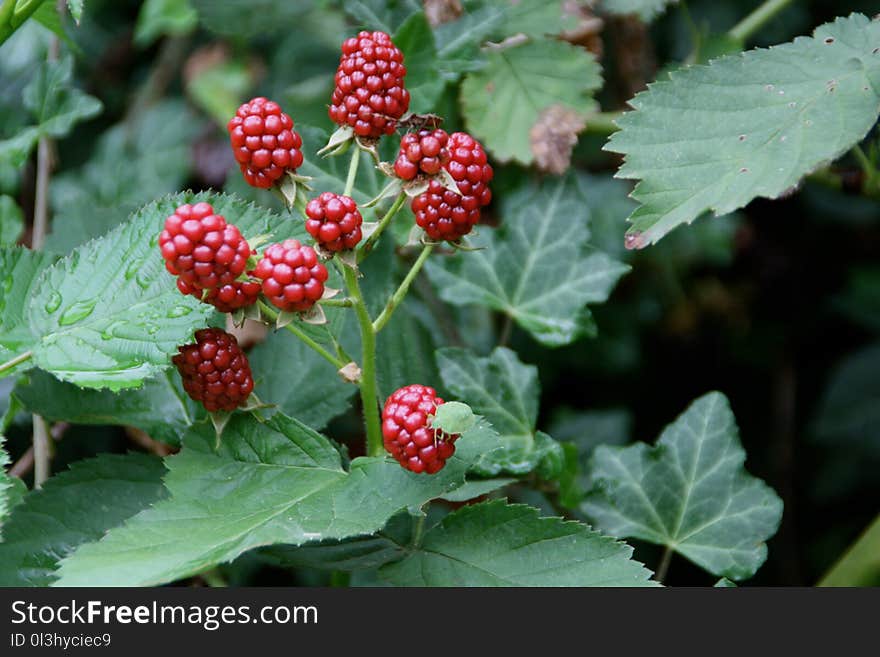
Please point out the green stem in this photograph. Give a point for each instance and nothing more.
(9, 364)
(367, 246)
(11, 20)
(663, 568)
(401, 291)
(269, 312)
(352, 171)
(418, 529)
(866, 164)
(339, 303)
(367, 384)
(757, 19)
(602, 123)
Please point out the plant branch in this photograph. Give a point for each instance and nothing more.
(352, 171)
(42, 451)
(339, 303)
(602, 123)
(401, 291)
(367, 385)
(9, 364)
(757, 19)
(272, 314)
(367, 246)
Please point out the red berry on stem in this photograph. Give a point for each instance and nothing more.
(370, 94)
(215, 371)
(264, 142)
(407, 432)
(334, 221)
(422, 152)
(293, 278)
(201, 248)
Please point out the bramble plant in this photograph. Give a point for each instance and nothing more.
(382, 268)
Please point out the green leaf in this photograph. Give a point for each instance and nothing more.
(19, 271)
(6, 485)
(860, 565)
(849, 415)
(218, 88)
(301, 383)
(416, 40)
(362, 553)
(496, 544)
(76, 9)
(459, 41)
(54, 103)
(160, 408)
(536, 268)
(689, 493)
(647, 10)
(269, 483)
(72, 508)
(246, 18)
(109, 315)
(406, 333)
(503, 101)
(164, 17)
(715, 137)
(381, 14)
(11, 221)
(477, 488)
(534, 18)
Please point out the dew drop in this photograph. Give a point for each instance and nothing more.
(153, 329)
(143, 279)
(52, 303)
(179, 311)
(132, 269)
(78, 311)
(768, 87)
(781, 92)
(792, 104)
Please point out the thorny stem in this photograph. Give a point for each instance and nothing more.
(401, 291)
(663, 568)
(9, 364)
(757, 19)
(367, 246)
(367, 385)
(293, 328)
(352, 171)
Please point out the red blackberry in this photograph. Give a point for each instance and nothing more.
(201, 248)
(264, 142)
(422, 152)
(293, 279)
(215, 371)
(469, 167)
(443, 214)
(407, 432)
(369, 95)
(226, 298)
(334, 221)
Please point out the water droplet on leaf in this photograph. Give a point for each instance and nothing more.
(53, 302)
(78, 311)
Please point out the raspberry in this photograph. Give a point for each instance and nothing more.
(293, 279)
(226, 298)
(334, 221)
(407, 432)
(369, 95)
(264, 142)
(215, 370)
(422, 152)
(443, 214)
(201, 248)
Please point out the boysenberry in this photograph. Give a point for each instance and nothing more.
(293, 278)
(407, 432)
(334, 221)
(215, 371)
(422, 152)
(264, 142)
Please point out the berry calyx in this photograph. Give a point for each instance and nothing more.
(215, 371)
(422, 152)
(264, 142)
(201, 248)
(370, 94)
(407, 433)
(334, 221)
(293, 278)
(440, 212)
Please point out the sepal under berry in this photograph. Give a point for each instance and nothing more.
(407, 430)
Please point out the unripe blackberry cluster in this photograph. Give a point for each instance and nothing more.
(208, 256)
(407, 433)
(215, 371)
(264, 142)
(293, 278)
(334, 221)
(369, 95)
(422, 152)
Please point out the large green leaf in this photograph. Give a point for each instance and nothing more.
(505, 391)
(269, 483)
(54, 104)
(109, 315)
(536, 268)
(860, 565)
(505, 99)
(714, 137)
(160, 408)
(416, 40)
(689, 493)
(11, 221)
(496, 544)
(849, 415)
(74, 507)
(19, 271)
